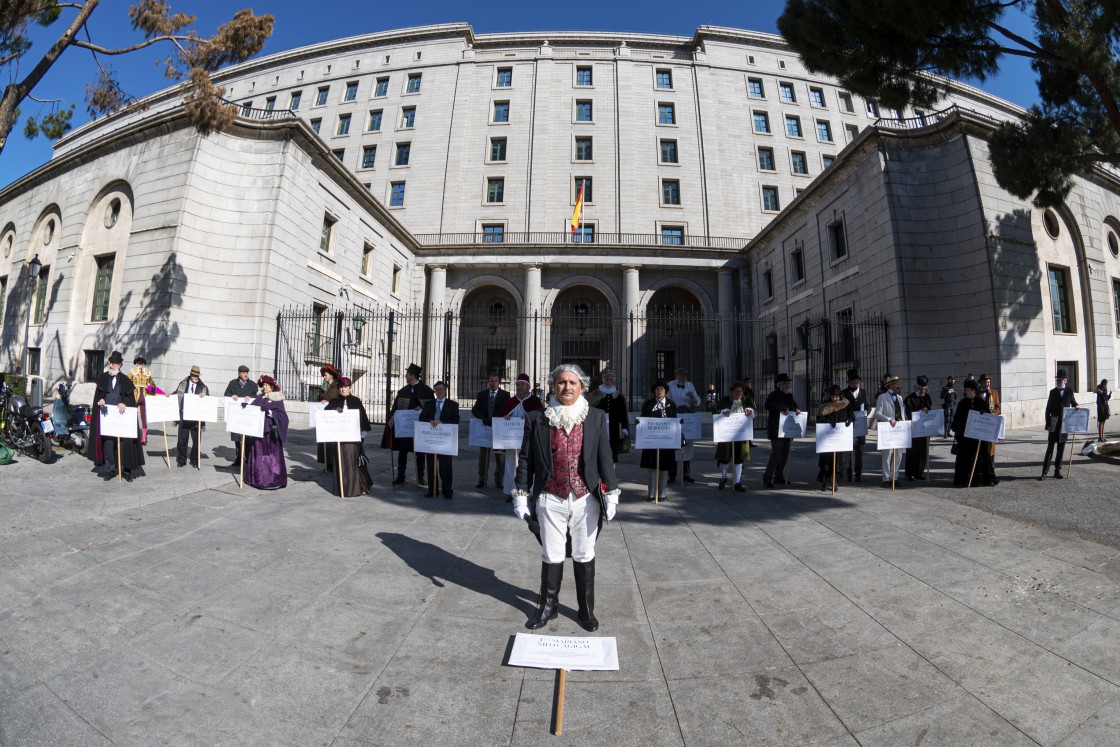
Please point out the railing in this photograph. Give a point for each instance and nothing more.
(250, 113)
(555, 238)
(925, 120)
(320, 348)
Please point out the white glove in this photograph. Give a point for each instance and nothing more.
(611, 509)
(625, 433)
(521, 507)
(612, 503)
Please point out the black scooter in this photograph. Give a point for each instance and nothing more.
(69, 424)
(23, 427)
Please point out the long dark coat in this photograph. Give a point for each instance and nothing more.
(355, 476)
(131, 456)
(416, 395)
(649, 456)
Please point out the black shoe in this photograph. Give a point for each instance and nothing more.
(128, 477)
(859, 478)
(429, 495)
(995, 481)
(551, 576)
(1058, 476)
(780, 481)
(739, 488)
(1042, 477)
(449, 495)
(480, 484)
(886, 483)
(399, 481)
(688, 478)
(180, 463)
(509, 499)
(768, 483)
(723, 483)
(421, 482)
(585, 595)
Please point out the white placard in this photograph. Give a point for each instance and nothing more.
(116, 424)
(927, 424)
(691, 426)
(313, 409)
(839, 437)
(404, 423)
(897, 437)
(793, 425)
(247, 420)
(161, 409)
(737, 426)
(442, 439)
(200, 408)
(332, 426)
(859, 424)
(508, 434)
(1075, 420)
(564, 652)
(657, 433)
(480, 434)
(983, 426)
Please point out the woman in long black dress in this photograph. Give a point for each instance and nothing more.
(1103, 412)
(355, 479)
(967, 447)
(657, 462)
(833, 411)
(328, 392)
(610, 400)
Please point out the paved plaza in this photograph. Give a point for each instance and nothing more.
(180, 610)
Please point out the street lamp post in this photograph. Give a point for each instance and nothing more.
(33, 269)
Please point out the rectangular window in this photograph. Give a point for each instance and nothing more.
(374, 124)
(761, 121)
(797, 265)
(672, 235)
(920, 116)
(755, 89)
(343, 125)
(826, 161)
(669, 151)
(1059, 298)
(583, 111)
(497, 149)
(101, 287)
(785, 93)
(316, 124)
(766, 159)
(413, 83)
(816, 97)
(504, 77)
(408, 117)
(770, 199)
(41, 295)
(297, 96)
(872, 109)
(501, 111)
(326, 236)
(583, 76)
(34, 361)
(666, 114)
(367, 260)
(369, 156)
(495, 189)
(382, 87)
(493, 233)
(845, 100)
(396, 287)
(799, 164)
(351, 91)
(585, 182)
(583, 149)
(824, 131)
(396, 194)
(584, 235)
(837, 240)
(850, 132)
(670, 192)
(1115, 302)
(270, 104)
(339, 153)
(768, 284)
(793, 126)
(321, 96)
(247, 109)
(665, 79)
(404, 152)
(94, 364)
(3, 297)
(1072, 372)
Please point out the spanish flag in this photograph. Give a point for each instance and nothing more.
(577, 214)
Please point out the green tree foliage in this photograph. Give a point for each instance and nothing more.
(190, 60)
(892, 51)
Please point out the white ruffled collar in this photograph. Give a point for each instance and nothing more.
(566, 416)
(607, 389)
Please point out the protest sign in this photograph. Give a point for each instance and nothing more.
(247, 420)
(404, 423)
(691, 426)
(508, 434)
(896, 437)
(793, 425)
(927, 424)
(203, 409)
(332, 426)
(983, 426)
(313, 409)
(832, 438)
(1075, 420)
(442, 439)
(737, 426)
(160, 409)
(657, 433)
(859, 424)
(115, 424)
(564, 652)
(479, 434)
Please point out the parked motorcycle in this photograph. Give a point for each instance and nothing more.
(69, 424)
(23, 427)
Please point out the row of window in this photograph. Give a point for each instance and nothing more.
(326, 246)
(494, 233)
(103, 283)
(760, 122)
(798, 161)
(349, 93)
(584, 112)
(584, 77)
(373, 121)
(838, 250)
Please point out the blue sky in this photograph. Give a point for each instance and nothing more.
(299, 23)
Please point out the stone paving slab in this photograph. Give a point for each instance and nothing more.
(181, 609)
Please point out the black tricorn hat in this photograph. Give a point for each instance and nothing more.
(782, 377)
(414, 369)
(116, 357)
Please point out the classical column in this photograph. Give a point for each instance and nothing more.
(437, 304)
(725, 346)
(631, 364)
(533, 330)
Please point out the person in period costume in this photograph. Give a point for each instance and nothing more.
(240, 389)
(114, 389)
(189, 430)
(949, 402)
(733, 454)
(487, 404)
(327, 391)
(265, 467)
(834, 411)
(856, 396)
(141, 379)
(565, 467)
(519, 405)
(710, 398)
(658, 463)
(1060, 397)
(779, 403)
(354, 478)
(609, 399)
(435, 412)
(966, 447)
(683, 394)
(991, 394)
(917, 456)
(1104, 394)
(889, 409)
(411, 396)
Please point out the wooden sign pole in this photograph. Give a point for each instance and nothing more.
(656, 481)
(834, 473)
(341, 482)
(242, 461)
(894, 474)
(198, 443)
(119, 478)
(974, 460)
(166, 450)
(558, 714)
(435, 474)
(1072, 447)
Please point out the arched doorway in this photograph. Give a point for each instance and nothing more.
(581, 330)
(678, 334)
(488, 338)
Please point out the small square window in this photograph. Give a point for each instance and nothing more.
(495, 189)
(665, 79)
(799, 164)
(501, 111)
(297, 96)
(583, 111)
(872, 109)
(755, 89)
(343, 125)
(583, 76)
(351, 91)
(584, 235)
(672, 235)
(669, 151)
(374, 124)
(94, 364)
(666, 114)
(270, 104)
(766, 159)
(408, 117)
(824, 131)
(339, 153)
(850, 132)
(786, 94)
(369, 156)
(396, 194)
(413, 83)
(316, 124)
(247, 109)
(845, 100)
(816, 97)
(583, 182)
(493, 233)
(404, 152)
(497, 149)
(321, 96)
(583, 149)
(761, 122)
(770, 199)
(382, 87)
(326, 237)
(827, 161)
(670, 192)
(504, 77)
(793, 126)
(397, 272)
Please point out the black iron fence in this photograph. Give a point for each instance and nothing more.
(832, 348)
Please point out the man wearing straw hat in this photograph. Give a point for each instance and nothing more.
(888, 409)
(1061, 397)
(189, 429)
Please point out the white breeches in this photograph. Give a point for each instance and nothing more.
(511, 472)
(887, 458)
(558, 518)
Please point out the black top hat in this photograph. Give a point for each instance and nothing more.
(116, 357)
(414, 369)
(971, 384)
(782, 377)
(1061, 374)
(923, 380)
(853, 374)
(659, 383)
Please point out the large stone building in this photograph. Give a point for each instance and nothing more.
(432, 172)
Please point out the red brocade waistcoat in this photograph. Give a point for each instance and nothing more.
(567, 461)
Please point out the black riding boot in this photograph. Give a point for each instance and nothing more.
(585, 594)
(551, 576)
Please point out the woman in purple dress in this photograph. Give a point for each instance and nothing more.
(265, 467)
